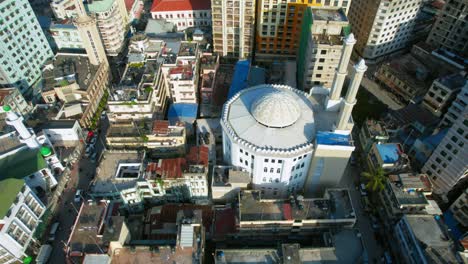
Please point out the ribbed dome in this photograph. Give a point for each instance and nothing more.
(276, 109)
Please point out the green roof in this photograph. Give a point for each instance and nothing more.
(6, 108)
(13, 169)
(45, 151)
(99, 6)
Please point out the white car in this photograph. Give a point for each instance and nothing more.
(77, 198)
(363, 189)
(93, 157)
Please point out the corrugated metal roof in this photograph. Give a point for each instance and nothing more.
(186, 236)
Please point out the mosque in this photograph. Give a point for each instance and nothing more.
(290, 141)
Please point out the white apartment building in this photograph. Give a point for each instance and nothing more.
(66, 35)
(233, 27)
(383, 26)
(448, 164)
(323, 46)
(459, 209)
(19, 222)
(183, 13)
(442, 92)
(181, 74)
(63, 9)
(24, 48)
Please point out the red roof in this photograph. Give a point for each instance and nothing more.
(287, 211)
(180, 5)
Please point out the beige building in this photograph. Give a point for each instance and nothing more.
(450, 31)
(112, 21)
(233, 27)
(383, 26)
(321, 46)
(80, 85)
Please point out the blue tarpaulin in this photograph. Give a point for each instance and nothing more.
(239, 81)
(185, 112)
(329, 138)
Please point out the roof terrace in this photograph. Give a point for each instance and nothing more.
(187, 49)
(336, 205)
(336, 15)
(227, 175)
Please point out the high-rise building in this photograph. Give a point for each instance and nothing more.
(450, 31)
(279, 25)
(447, 165)
(24, 47)
(383, 26)
(233, 27)
(90, 35)
(323, 31)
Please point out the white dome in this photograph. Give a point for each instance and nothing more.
(276, 109)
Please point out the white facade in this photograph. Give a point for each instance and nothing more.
(63, 132)
(384, 26)
(448, 164)
(63, 9)
(13, 98)
(19, 225)
(24, 52)
(184, 19)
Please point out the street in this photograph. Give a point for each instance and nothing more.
(66, 212)
(364, 223)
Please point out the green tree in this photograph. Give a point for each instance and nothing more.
(375, 179)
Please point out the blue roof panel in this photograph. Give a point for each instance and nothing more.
(329, 138)
(239, 81)
(186, 112)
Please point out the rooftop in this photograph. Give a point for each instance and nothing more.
(413, 113)
(132, 129)
(69, 69)
(338, 206)
(227, 175)
(375, 128)
(157, 27)
(96, 6)
(13, 169)
(88, 225)
(106, 174)
(187, 48)
(180, 5)
(454, 81)
(9, 141)
(329, 14)
(389, 152)
(405, 194)
(410, 70)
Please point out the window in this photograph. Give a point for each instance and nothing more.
(264, 179)
(265, 169)
(266, 160)
(323, 52)
(278, 170)
(271, 170)
(241, 151)
(273, 161)
(241, 160)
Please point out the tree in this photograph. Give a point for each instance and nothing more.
(376, 179)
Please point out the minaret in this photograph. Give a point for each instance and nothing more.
(350, 99)
(341, 71)
(17, 122)
(89, 34)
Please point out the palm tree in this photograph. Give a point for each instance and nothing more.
(376, 179)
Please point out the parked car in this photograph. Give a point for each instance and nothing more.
(93, 141)
(89, 150)
(103, 114)
(362, 189)
(44, 254)
(93, 157)
(53, 231)
(77, 198)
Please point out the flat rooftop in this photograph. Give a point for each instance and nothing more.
(68, 69)
(133, 129)
(338, 206)
(454, 82)
(140, 254)
(89, 224)
(9, 141)
(187, 49)
(375, 128)
(226, 175)
(105, 180)
(329, 15)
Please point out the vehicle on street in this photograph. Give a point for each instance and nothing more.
(362, 189)
(77, 198)
(44, 254)
(89, 150)
(94, 157)
(103, 114)
(93, 141)
(53, 231)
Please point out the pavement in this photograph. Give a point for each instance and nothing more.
(363, 224)
(66, 212)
